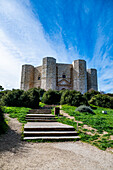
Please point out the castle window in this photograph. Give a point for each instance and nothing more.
(39, 78)
(63, 76)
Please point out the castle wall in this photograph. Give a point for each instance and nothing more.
(37, 76)
(64, 69)
(27, 77)
(48, 80)
(79, 76)
(92, 79)
(57, 76)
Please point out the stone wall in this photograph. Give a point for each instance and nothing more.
(92, 79)
(37, 76)
(64, 70)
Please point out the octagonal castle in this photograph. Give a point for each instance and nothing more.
(58, 76)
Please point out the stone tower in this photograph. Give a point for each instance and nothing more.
(92, 79)
(79, 76)
(27, 77)
(48, 73)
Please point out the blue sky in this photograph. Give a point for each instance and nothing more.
(64, 29)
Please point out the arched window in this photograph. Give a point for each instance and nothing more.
(64, 76)
(39, 77)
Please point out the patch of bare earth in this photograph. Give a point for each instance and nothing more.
(20, 155)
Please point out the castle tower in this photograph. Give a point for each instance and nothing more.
(27, 77)
(48, 80)
(79, 76)
(92, 79)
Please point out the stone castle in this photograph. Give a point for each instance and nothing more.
(58, 76)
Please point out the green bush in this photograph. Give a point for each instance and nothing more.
(20, 98)
(90, 93)
(73, 98)
(30, 98)
(12, 98)
(3, 125)
(84, 108)
(41, 92)
(102, 100)
(51, 97)
(2, 93)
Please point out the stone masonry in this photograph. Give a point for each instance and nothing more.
(58, 76)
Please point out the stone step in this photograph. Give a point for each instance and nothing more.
(52, 138)
(49, 133)
(40, 120)
(47, 126)
(40, 111)
(40, 115)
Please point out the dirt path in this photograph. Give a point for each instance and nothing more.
(19, 155)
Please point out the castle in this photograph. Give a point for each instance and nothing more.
(58, 76)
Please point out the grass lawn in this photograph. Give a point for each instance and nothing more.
(101, 122)
(17, 112)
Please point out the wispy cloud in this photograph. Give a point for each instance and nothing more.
(21, 41)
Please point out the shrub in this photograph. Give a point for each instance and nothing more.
(2, 93)
(30, 98)
(12, 98)
(3, 125)
(73, 98)
(84, 108)
(19, 98)
(51, 97)
(90, 93)
(41, 92)
(102, 100)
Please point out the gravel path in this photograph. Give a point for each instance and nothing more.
(19, 155)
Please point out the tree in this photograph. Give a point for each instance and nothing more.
(1, 88)
(73, 98)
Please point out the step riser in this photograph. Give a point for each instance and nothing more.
(53, 135)
(38, 111)
(39, 117)
(30, 120)
(49, 129)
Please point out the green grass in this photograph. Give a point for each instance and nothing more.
(101, 122)
(41, 104)
(17, 112)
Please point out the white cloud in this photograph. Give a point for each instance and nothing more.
(21, 41)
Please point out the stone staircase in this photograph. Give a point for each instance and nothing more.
(41, 124)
